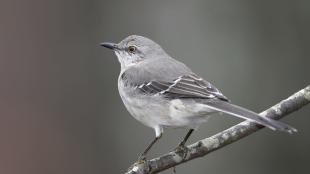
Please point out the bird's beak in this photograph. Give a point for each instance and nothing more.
(112, 46)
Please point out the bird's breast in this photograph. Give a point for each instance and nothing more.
(150, 110)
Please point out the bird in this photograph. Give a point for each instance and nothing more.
(162, 92)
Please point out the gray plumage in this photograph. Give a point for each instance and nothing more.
(161, 92)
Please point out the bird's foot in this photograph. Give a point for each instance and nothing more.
(182, 150)
(141, 160)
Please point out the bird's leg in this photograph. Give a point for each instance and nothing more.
(182, 143)
(158, 134)
(142, 156)
(181, 147)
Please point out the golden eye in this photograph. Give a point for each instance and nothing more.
(132, 49)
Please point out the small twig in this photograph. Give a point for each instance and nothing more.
(219, 140)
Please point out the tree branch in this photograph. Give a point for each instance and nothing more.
(219, 140)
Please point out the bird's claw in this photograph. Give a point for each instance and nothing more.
(141, 160)
(182, 150)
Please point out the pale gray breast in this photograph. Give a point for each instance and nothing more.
(150, 110)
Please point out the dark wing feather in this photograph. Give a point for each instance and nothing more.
(186, 86)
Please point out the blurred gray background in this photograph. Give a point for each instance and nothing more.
(60, 111)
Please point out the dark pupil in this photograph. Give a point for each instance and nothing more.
(131, 49)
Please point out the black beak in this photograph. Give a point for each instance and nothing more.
(109, 45)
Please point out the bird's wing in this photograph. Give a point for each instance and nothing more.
(192, 86)
(186, 86)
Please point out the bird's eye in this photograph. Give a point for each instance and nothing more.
(132, 49)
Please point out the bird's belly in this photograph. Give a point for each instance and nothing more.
(151, 112)
(155, 111)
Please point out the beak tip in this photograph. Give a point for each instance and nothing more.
(109, 45)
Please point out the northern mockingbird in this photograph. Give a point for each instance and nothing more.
(162, 92)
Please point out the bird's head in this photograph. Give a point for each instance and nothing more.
(135, 49)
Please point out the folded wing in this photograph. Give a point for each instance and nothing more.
(186, 86)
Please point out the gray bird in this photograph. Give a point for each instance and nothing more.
(162, 92)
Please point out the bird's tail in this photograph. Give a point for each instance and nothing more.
(238, 111)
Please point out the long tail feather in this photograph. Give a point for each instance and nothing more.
(238, 111)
